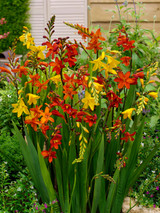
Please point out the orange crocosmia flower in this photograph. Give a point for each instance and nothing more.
(128, 45)
(37, 110)
(139, 75)
(56, 140)
(90, 119)
(49, 154)
(3, 69)
(57, 66)
(42, 63)
(125, 60)
(44, 129)
(69, 80)
(123, 80)
(94, 43)
(128, 136)
(41, 86)
(57, 113)
(52, 49)
(34, 79)
(22, 70)
(46, 116)
(33, 122)
(69, 92)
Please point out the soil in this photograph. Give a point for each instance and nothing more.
(137, 209)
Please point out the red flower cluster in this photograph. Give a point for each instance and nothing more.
(114, 100)
(124, 41)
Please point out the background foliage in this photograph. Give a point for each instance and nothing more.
(16, 14)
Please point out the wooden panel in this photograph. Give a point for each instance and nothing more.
(121, 1)
(98, 12)
(147, 26)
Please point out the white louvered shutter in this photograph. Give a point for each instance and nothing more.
(38, 20)
(71, 11)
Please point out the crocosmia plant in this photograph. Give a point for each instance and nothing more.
(82, 120)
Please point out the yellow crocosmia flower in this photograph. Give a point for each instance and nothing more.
(29, 40)
(146, 100)
(22, 38)
(128, 113)
(88, 101)
(114, 52)
(152, 81)
(39, 50)
(20, 91)
(98, 87)
(138, 93)
(98, 62)
(154, 74)
(112, 61)
(30, 116)
(142, 82)
(32, 98)
(78, 124)
(20, 107)
(25, 28)
(153, 94)
(109, 69)
(56, 79)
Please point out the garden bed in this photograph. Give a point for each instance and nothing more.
(137, 209)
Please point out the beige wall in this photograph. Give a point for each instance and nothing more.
(97, 14)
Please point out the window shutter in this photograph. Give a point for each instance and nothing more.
(71, 11)
(38, 20)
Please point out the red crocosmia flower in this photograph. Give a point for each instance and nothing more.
(80, 116)
(128, 45)
(111, 95)
(128, 136)
(41, 86)
(139, 75)
(121, 39)
(52, 49)
(55, 141)
(114, 100)
(57, 113)
(90, 119)
(123, 80)
(71, 61)
(73, 113)
(69, 80)
(69, 92)
(3, 69)
(66, 108)
(49, 154)
(46, 116)
(33, 122)
(71, 53)
(37, 110)
(125, 60)
(100, 80)
(44, 129)
(57, 66)
(34, 79)
(82, 81)
(94, 44)
(21, 69)
(54, 99)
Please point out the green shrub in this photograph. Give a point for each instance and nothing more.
(16, 13)
(11, 153)
(7, 97)
(19, 195)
